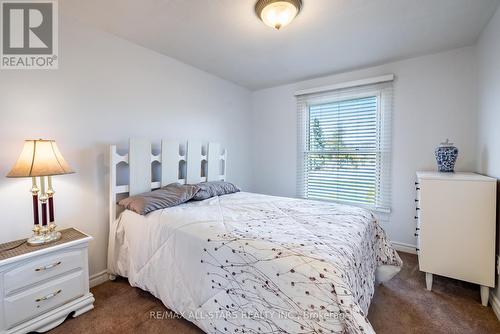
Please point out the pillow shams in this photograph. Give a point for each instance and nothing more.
(166, 197)
(214, 188)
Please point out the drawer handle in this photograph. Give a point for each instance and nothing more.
(49, 266)
(47, 297)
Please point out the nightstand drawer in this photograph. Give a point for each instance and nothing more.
(33, 302)
(38, 270)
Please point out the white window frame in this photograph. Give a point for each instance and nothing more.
(382, 152)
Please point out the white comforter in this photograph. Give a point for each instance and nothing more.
(248, 263)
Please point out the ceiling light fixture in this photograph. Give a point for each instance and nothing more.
(277, 13)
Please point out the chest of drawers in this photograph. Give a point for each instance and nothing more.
(456, 215)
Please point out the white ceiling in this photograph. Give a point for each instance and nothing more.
(225, 38)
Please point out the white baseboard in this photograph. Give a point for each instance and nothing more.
(403, 247)
(98, 278)
(495, 304)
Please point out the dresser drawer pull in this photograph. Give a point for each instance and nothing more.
(49, 266)
(49, 296)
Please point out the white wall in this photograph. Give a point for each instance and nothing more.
(106, 90)
(435, 99)
(489, 102)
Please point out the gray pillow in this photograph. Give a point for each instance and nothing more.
(214, 188)
(168, 196)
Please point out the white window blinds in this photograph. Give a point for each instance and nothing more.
(344, 145)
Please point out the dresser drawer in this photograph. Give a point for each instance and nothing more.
(38, 270)
(33, 302)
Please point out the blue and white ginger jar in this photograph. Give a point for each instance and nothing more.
(446, 156)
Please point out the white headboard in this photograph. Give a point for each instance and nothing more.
(199, 167)
(140, 159)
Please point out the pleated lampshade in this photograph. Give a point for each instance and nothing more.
(40, 158)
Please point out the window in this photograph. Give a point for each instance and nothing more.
(344, 146)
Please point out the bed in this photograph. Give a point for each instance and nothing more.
(251, 263)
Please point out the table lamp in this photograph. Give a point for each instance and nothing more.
(41, 158)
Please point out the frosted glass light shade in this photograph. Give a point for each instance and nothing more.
(277, 13)
(40, 158)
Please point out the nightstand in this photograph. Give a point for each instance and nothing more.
(40, 286)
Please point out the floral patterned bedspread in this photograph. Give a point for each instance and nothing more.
(249, 263)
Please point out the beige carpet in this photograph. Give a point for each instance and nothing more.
(399, 306)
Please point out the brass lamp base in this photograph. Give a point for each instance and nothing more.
(44, 235)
